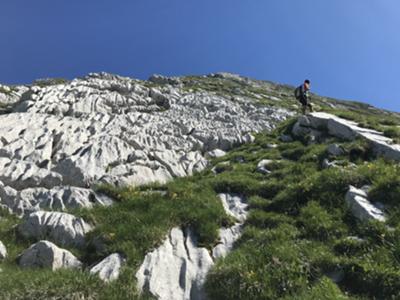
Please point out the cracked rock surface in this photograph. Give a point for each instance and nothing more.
(62, 228)
(178, 268)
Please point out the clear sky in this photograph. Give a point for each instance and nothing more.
(349, 49)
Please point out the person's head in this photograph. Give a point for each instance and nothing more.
(307, 84)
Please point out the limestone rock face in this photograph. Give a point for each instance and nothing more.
(45, 254)
(363, 209)
(62, 228)
(109, 268)
(3, 251)
(112, 129)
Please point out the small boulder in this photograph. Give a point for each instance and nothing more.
(357, 200)
(248, 138)
(335, 150)
(221, 167)
(262, 166)
(45, 254)
(3, 251)
(286, 138)
(272, 146)
(216, 153)
(108, 269)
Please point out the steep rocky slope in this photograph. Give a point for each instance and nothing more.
(117, 177)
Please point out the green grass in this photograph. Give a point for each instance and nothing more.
(299, 232)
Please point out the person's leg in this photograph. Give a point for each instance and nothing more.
(310, 107)
(303, 109)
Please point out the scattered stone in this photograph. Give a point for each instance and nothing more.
(109, 268)
(335, 150)
(286, 138)
(356, 239)
(159, 79)
(240, 159)
(336, 275)
(262, 166)
(45, 254)
(220, 167)
(62, 228)
(216, 153)
(357, 200)
(272, 146)
(327, 164)
(3, 251)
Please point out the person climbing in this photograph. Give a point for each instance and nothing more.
(302, 94)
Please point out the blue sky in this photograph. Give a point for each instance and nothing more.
(350, 49)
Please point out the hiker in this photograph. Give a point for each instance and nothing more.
(302, 94)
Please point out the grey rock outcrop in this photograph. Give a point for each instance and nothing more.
(58, 198)
(178, 268)
(109, 268)
(3, 251)
(227, 236)
(45, 254)
(117, 130)
(357, 200)
(62, 228)
(348, 130)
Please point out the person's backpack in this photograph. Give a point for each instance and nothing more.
(297, 93)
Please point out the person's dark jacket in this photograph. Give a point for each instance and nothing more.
(304, 96)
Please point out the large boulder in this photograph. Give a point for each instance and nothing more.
(349, 130)
(177, 269)
(45, 254)
(109, 268)
(62, 228)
